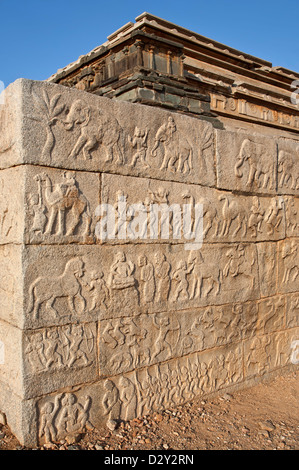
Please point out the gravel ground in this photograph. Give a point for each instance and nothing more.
(263, 417)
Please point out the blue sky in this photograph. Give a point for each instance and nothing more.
(40, 36)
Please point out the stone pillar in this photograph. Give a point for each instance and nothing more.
(102, 306)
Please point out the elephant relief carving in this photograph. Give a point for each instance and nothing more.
(287, 162)
(177, 151)
(254, 158)
(97, 128)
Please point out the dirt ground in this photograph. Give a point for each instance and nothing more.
(263, 417)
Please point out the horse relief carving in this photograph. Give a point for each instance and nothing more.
(46, 290)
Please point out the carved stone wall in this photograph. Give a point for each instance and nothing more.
(95, 330)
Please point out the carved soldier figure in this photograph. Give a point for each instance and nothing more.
(35, 352)
(138, 141)
(162, 323)
(99, 291)
(52, 354)
(38, 211)
(180, 276)
(274, 215)
(256, 217)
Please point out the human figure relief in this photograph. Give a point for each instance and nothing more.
(135, 336)
(292, 215)
(180, 277)
(37, 209)
(73, 416)
(47, 429)
(256, 217)
(238, 264)
(289, 256)
(139, 142)
(100, 295)
(162, 270)
(163, 341)
(128, 399)
(121, 272)
(35, 352)
(274, 215)
(111, 404)
(48, 289)
(52, 354)
(80, 339)
(258, 356)
(147, 279)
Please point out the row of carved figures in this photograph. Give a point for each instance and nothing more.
(61, 210)
(155, 388)
(100, 128)
(254, 163)
(125, 398)
(130, 343)
(156, 281)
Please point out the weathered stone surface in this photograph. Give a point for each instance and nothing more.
(292, 216)
(288, 166)
(12, 184)
(58, 357)
(81, 283)
(95, 330)
(288, 265)
(11, 282)
(133, 343)
(74, 130)
(265, 353)
(227, 217)
(246, 162)
(60, 206)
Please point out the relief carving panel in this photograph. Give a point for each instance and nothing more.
(83, 132)
(70, 284)
(288, 166)
(246, 162)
